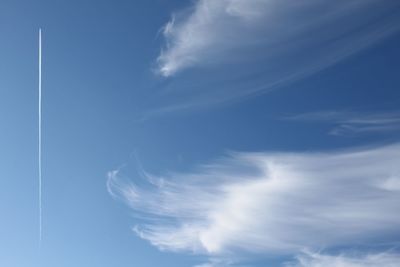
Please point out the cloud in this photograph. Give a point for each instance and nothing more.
(214, 32)
(365, 260)
(354, 123)
(269, 203)
(318, 259)
(217, 263)
(219, 52)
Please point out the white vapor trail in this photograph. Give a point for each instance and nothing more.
(40, 136)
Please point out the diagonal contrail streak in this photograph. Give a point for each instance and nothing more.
(40, 136)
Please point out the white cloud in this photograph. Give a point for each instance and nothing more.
(213, 31)
(236, 49)
(365, 260)
(216, 263)
(354, 123)
(189, 35)
(270, 203)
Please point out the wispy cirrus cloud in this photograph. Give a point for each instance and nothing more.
(250, 47)
(211, 31)
(269, 203)
(354, 123)
(318, 259)
(385, 259)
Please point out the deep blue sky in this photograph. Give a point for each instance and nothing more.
(101, 105)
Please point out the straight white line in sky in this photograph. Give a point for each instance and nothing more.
(40, 137)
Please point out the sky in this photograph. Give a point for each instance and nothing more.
(201, 133)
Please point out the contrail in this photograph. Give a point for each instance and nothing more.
(40, 137)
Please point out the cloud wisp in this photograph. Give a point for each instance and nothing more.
(347, 123)
(388, 258)
(385, 259)
(245, 48)
(212, 32)
(269, 203)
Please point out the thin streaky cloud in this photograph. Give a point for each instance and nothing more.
(269, 203)
(353, 123)
(351, 258)
(211, 31)
(381, 259)
(264, 44)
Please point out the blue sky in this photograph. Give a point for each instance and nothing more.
(201, 133)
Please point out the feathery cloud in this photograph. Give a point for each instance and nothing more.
(214, 32)
(269, 203)
(354, 123)
(234, 49)
(384, 259)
